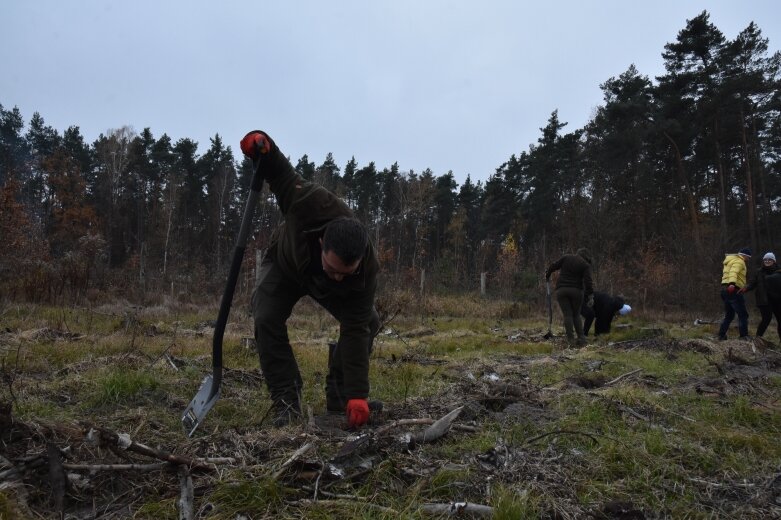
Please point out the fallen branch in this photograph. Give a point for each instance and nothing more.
(296, 455)
(722, 484)
(339, 496)
(458, 508)
(466, 428)
(401, 422)
(93, 468)
(104, 437)
(186, 497)
(310, 422)
(351, 446)
(341, 503)
(382, 430)
(556, 432)
(665, 410)
(439, 428)
(630, 411)
(622, 376)
(621, 407)
(217, 460)
(171, 362)
(436, 430)
(57, 477)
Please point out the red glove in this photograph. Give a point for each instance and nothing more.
(357, 412)
(731, 288)
(255, 143)
(742, 290)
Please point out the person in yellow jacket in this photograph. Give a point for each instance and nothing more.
(733, 285)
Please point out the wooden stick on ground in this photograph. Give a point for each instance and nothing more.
(439, 428)
(296, 455)
(623, 376)
(116, 467)
(458, 509)
(187, 495)
(342, 503)
(557, 432)
(102, 436)
(401, 422)
(57, 477)
(665, 410)
(626, 409)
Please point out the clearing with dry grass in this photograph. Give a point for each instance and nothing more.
(483, 417)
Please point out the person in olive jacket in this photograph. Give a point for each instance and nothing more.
(322, 251)
(733, 283)
(573, 287)
(766, 282)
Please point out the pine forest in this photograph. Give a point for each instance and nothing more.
(668, 175)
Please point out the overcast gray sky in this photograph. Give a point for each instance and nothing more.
(448, 85)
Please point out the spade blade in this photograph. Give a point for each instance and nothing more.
(200, 405)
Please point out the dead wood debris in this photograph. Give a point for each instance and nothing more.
(623, 376)
(458, 509)
(591, 436)
(103, 437)
(92, 468)
(296, 455)
(438, 428)
(57, 478)
(47, 334)
(186, 496)
(90, 440)
(341, 503)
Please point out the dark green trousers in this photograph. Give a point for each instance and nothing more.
(570, 299)
(272, 303)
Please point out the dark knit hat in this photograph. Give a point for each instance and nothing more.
(745, 252)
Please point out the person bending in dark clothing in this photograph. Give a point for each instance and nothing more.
(604, 310)
(320, 250)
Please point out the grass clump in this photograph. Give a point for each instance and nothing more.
(8, 506)
(124, 387)
(247, 497)
(162, 510)
(510, 504)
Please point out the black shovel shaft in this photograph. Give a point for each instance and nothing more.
(550, 305)
(233, 276)
(225, 306)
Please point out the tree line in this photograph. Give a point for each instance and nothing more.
(668, 175)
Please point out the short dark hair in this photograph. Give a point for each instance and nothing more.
(347, 238)
(585, 254)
